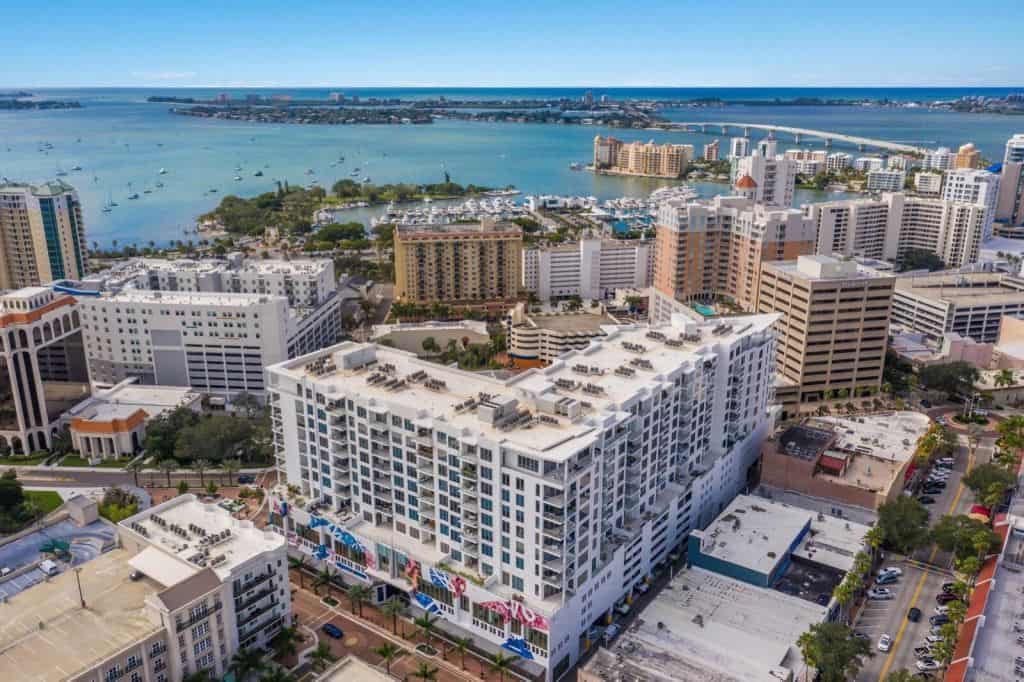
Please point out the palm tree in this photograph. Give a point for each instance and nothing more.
(321, 655)
(425, 672)
(901, 675)
(426, 623)
(389, 652)
(358, 595)
(245, 662)
(1004, 378)
(135, 466)
(201, 466)
(168, 466)
(198, 676)
(874, 539)
(230, 467)
(500, 663)
(286, 641)
(462, 645)
(324, 577)
(298, 563)
(393, 608)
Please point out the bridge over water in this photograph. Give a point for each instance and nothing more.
(797, 133)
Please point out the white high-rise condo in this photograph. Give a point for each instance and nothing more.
(974, 186)
(1015, 149)
(521, 511)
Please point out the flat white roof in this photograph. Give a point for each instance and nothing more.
(611, 371)
(706, 627)
(209, 537)
(187, 297)
(125, 399)
(890, 436)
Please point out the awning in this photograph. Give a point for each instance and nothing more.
(161, 567)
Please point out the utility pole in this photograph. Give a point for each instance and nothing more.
(78, 579)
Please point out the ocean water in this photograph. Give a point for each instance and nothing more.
(121, 142)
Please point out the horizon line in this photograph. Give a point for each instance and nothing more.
(535, 87)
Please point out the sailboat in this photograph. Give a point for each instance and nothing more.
(162, 171)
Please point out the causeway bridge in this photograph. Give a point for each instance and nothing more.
(797, 133)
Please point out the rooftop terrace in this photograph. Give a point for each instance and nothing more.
(201, 535)
(550, 411)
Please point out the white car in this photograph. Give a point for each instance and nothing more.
(880, 593)
(932, 639)
(891, 570)
(884, 643)
(927, 664)
(941, 610)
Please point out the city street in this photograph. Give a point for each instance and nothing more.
(923, 576)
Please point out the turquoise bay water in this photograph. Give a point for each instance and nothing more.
(118, 138)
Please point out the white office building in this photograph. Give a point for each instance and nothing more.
(739, 146)
(974, 186)
(940, 159)
(970, 304)
(591, 268)
(216, 343)
(775, 175)
(521, 511)
(837, 162)
(883, 180)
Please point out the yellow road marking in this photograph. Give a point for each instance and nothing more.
(924, 576)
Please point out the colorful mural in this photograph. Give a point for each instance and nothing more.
(279, 507)
(412, 572)
(518, 645)
(455, 584)
(427, 604)
(344, 537)
(513, 609)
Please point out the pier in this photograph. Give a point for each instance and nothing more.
(798, 134)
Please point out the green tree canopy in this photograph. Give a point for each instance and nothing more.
(964, 536)
(951, 378)
(920, 259)
(904, 524)
(984, 477)
(833, 650)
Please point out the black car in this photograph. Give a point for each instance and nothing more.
(948, 587)
(945, 598)
(940, 619)
(246, 478)
(926, 403)
(925, 499)
(332, 631)
(914, 615)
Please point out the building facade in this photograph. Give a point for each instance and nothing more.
(889, 226)
(883, 180)
(1010, 205)
(591, 268)
(458, 263)
(612, 155)
(775, 176)
(928, 184)
(834, 325)
(968, 156)
(520, 511)
(739, 146)
(974, 186)
(715, 248)
(42, 234)
(543, 336)
(42, 366)
(971, 304)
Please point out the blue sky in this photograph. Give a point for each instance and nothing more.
(527, 43)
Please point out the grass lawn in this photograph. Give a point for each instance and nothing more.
(16, 461)
(74, 461)
(77, 461)
(48, 500)
(115, 463)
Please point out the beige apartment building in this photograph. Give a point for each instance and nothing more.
(612, 155)
(715, 248)
(831, 338)
(458, 263)
(968, 156)
(42, 235)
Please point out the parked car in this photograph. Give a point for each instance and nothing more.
(610, 632)
(246, 479)
(932, 639)
(886, 579)
(948, 587)
(940, 619)
(884, 643)
(927, 664)
(6, 570)
(945, 598)
(880, 593)
(914, 614)
(926, 403)
(941, 610)
(642, 587)
(926, 499)
(860, 635)
(922, 652)
(332, 631)
(891, 570)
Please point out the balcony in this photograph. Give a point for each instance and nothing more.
(261, 578)
(198, 618)
(552, 530)
(425, 465)
(553, 518)
(469, 473)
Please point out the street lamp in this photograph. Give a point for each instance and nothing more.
(78, 579)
